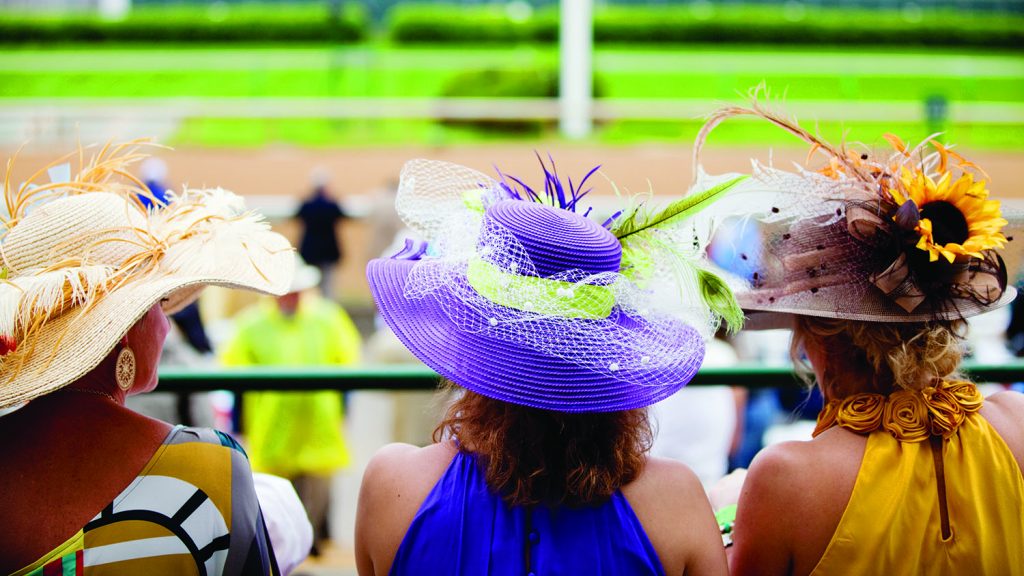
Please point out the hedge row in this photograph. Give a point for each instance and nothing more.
(245, 23)
(446, 23)
(452, 23)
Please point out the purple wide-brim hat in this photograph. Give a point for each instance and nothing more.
(517, 373)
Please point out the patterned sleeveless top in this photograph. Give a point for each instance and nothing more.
(463, 529)
(938, 492)
(191, 511)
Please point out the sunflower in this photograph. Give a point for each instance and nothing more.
(956, 217)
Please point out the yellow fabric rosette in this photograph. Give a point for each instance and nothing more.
(827, 417)
(861, 413)
(966, 394)
(906, 416)
(945, 413)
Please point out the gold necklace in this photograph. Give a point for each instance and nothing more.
(94, 392)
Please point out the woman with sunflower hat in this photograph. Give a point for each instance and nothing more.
(90, 487)
(561, 329)
(875, 262)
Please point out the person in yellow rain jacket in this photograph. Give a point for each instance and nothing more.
(297, 435)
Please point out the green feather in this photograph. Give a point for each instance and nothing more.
(682, 208)
(718, 296)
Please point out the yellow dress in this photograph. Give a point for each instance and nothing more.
(921, 446)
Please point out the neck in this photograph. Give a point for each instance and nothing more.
(99, 394)
(100, 382)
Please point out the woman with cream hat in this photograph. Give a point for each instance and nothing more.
(875, 260)
(88, 275)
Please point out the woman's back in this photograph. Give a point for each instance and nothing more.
(445, 517)
(849, 503)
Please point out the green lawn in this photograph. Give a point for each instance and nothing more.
(707, 73)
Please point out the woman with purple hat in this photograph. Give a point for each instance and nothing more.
(561, 330)
(875, 261)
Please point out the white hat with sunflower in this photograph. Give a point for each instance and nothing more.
(908, 236)
(83, 261)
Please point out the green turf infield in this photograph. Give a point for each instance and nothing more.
(703, 73)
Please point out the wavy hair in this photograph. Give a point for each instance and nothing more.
(886, 355)
(531, 456)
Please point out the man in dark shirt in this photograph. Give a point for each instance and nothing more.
(319, 245)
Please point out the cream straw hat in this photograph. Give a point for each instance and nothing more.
(83, 262)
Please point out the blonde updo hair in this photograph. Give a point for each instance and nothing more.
(887, 356)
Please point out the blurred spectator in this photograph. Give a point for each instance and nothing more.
(1015, 331)
(154, 176)
(297, 435)
(319, 246)
(387, 231)
(737, 247)
(699, 424)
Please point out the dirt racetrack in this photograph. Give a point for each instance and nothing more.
(279, 176)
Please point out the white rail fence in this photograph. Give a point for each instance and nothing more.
(56, 120)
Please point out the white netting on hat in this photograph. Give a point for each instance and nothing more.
(630, 344)
(811, 262)
(907, 236)
(485, 282)
(444, 202)
(805, 246)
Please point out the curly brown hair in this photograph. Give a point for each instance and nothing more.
(531, 456)
(884, 356)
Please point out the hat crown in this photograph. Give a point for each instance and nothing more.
(72, 227)
(557, 240)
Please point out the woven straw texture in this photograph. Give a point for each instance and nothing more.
(115, 261)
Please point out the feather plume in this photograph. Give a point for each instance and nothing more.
(664, 243)
(555, 193)
(106, 171)
(51, 293)
(678, 211)
(759, 110)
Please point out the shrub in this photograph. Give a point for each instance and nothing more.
(790, 24)
(506, 83)
(238, 23)
(442, 23)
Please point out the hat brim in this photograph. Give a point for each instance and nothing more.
(772, 316)
(69, 346)
(508, 371)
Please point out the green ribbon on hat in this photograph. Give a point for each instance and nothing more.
(539, 295)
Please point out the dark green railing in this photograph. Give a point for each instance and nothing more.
(421, 378)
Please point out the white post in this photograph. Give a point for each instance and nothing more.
(114, 9)
(575, 90)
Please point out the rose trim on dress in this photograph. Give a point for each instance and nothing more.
(908, 415)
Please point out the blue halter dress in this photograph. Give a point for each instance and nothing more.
(463, 528)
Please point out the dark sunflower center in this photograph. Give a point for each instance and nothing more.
(948, 223)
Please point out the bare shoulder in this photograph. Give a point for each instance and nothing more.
(404, 470)
(1008, 401)
(673, 508)
(778, 474)
(1005, 411)
(792, 500)
(665, 479)
(788, 475)
(396, 482)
